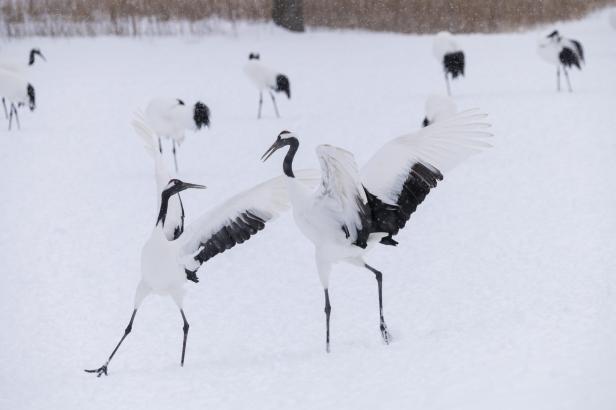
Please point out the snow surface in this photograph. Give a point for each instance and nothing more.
(501, 294)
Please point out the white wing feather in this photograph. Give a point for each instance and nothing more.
(341, 191)
(442, 146)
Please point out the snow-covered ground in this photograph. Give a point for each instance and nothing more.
(501, 294)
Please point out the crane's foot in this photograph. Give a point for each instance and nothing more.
(385, 333)
(99, 372)
(388, 240)
(191, 275)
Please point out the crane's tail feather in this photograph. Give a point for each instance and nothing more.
(145, 133)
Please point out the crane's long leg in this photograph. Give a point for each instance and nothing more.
(379, 280)
(175, 159)
(10, 117)
(17, 115)
(103, 369)
(6, 113)
(260, 104)
(558, 78)
(567, 78)
(185, 329)
(160, 146)
(328, 310)
(274, 101)
(447, 83)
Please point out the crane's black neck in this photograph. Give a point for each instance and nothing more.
(287, 165)
(164, 205)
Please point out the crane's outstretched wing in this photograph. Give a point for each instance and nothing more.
(174, 222)
(237, 219)
(342, 194)
(401, 173)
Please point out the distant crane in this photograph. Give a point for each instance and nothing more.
(352, 211)
(18, 92)
(266, 79)
(438, 108)
(19, 68)
(562, 52)
(450, 55)
(171, 118)
(166, 264)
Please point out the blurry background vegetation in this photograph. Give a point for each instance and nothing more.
(165, 17)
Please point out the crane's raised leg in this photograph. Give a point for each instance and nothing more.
(567, 78)
(379, 280)
(447, 83)
(185, 329)
(175, 158)
(6, 113)
(274, 101)
(103, 369)
(558, 78)
(260, 104)
(328, 310)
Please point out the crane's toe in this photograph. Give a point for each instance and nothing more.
(385, 333)
(99, 372)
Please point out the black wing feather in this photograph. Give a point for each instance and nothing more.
(391, 218)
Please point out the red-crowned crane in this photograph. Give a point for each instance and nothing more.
(353, 211)
(562, 52)
(266, 79)
(169, 260)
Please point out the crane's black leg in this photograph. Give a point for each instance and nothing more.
(567, 78)
(447, 83)
(6, 113)
(274, 101)
(328, 309)
(558, 78)
(185, 329)
(10, 116)
(16, 116)
(160, 146)
(103, 369)
(175, 159)
(379, 280)
(260, 104)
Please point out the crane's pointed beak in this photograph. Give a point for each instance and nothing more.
(187, 185)
(270, 151)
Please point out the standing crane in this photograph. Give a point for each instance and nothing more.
(171, 117)
(562, 52)
(266, 79)
(167, 262)
(352, 211)
(450, 55)
(20, 69)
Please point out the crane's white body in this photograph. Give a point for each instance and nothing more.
(13, 87)
(162, 272)
(261, 76)
(170, 119)
(550, 48)
(444, 43)
(439, 108)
